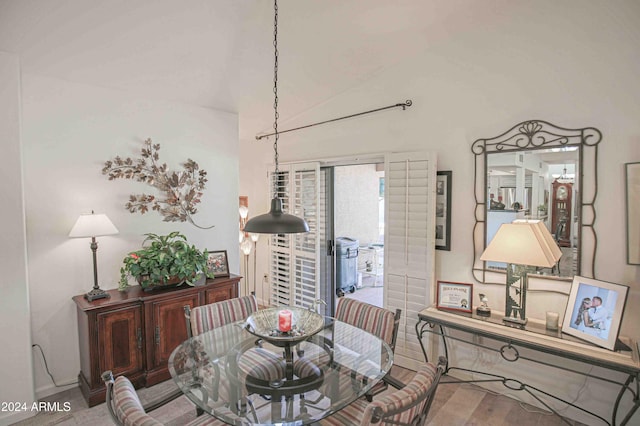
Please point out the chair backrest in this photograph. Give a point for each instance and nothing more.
(123, 403)
(377, 321)
(409, 405)
(214, 315)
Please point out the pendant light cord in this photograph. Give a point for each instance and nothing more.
(276, 221)
(275, 93)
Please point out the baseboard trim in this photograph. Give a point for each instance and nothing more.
(48, 390)
(11, 418)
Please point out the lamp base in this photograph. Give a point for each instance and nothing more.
(515, 320)
(96, 293)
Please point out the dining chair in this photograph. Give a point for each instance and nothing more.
(125, 407)
(408, 406)
(207, 317)
(378, 321)
(257, 362)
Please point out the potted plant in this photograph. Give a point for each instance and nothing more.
(164, 260)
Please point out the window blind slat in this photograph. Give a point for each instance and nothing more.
(298, 186)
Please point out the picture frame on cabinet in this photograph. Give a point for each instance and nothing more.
(594, 311)
(218, 263)
(454, 296)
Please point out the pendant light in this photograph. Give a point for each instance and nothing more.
(276, 221)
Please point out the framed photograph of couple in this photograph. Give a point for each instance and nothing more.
(443, 210)
(594, 311)
(454, 296)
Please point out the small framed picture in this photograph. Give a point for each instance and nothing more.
(218, 264)
(443, 210)
(594, 311)
(632, 173)
(455, 296)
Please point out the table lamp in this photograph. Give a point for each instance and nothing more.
(93, 225)
(522, 245)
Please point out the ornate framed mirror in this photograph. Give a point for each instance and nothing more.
(537, 170)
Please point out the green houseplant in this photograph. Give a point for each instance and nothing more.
(163, 260)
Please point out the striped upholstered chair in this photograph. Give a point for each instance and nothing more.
(126, 409)
(204, 318)
(407, 406)
(208, 317)
(375, 320)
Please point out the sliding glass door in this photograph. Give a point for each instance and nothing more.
(303, 266)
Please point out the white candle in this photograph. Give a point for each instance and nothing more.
(552, 320)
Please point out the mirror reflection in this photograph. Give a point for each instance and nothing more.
(537, 170)
(536, 185)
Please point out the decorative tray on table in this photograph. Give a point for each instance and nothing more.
(284, 326)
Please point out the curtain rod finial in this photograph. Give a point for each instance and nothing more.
(404, 106)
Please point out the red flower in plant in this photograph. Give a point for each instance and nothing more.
(135, 256)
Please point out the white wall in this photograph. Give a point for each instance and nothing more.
(571, 63)
(15, 328)
(70, 130)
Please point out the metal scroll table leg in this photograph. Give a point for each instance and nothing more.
(636, 400)
(421, 329)
(419, 332)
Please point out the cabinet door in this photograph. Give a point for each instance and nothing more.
(169, 326)
(221, 292)
(120, 340)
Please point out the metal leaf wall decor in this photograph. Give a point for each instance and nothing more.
(181, 190)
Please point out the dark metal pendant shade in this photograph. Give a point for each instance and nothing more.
(276, 222)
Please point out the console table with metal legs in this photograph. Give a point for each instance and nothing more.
(514, 343)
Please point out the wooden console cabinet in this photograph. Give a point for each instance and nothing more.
(133, 332)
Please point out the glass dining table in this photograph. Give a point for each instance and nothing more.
(241, 377)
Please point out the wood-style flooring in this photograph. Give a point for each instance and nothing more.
(454, 404)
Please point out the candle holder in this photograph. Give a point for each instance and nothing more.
(552, 320)
(302, 324)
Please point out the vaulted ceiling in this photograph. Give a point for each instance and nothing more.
(219, 53)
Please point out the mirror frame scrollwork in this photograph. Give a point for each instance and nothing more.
(530, 136)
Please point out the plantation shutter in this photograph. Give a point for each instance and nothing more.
(409, 245)
(294, 258)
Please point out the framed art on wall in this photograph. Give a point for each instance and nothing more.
(594, 311)
(632, 175)
(443, 210)
(218, 263)
(454, 296)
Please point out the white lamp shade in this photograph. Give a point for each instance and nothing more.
(92, 225)
(523, 243)
(246, 247)
(244, 211)
(254, 237)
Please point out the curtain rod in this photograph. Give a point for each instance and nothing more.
(403, 105)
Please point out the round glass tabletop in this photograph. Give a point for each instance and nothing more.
(244, 377)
